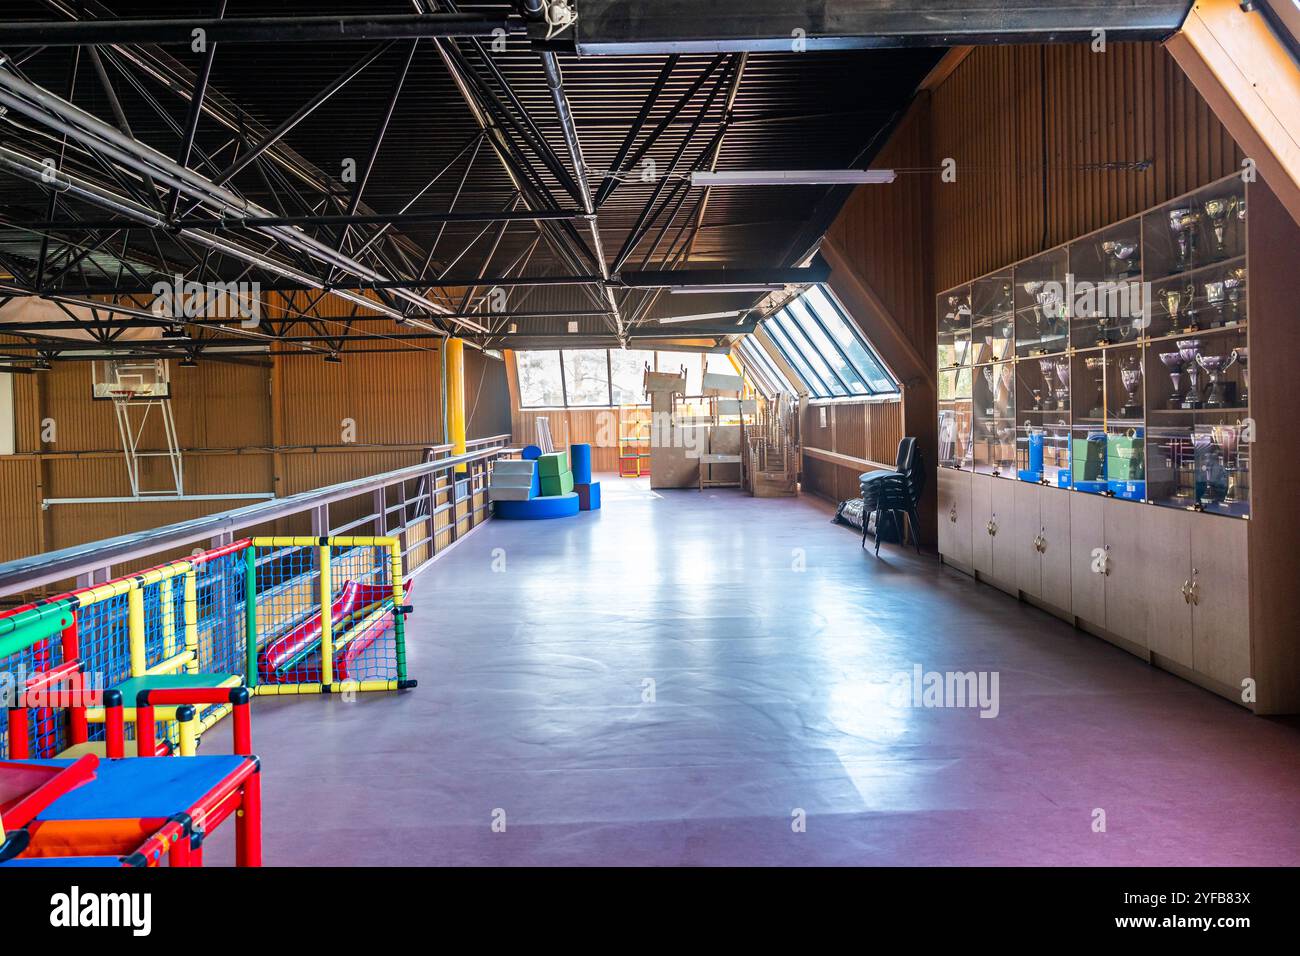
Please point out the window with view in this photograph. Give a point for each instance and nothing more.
(587, 378)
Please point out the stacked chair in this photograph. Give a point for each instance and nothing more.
(892, 492)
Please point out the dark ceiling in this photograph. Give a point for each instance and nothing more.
(642, 123)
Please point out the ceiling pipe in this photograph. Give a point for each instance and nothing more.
(555, 82)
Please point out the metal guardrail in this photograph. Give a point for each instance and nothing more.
(92, 563)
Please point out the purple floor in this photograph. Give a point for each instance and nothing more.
(771, 640)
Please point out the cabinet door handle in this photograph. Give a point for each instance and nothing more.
(992, 526)
(1187, 591)
(1195, 589)
(952, 514)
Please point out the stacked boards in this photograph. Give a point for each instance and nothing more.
(542, 485)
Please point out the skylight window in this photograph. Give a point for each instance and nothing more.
(819, 341)
(762, 370)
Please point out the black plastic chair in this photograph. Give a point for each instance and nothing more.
(891, 492)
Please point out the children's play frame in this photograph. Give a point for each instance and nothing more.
(288, 615)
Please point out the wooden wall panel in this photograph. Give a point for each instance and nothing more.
(1122, 131)
(216, 405)
(596, 426)
(392, 398)
(865, 431)
(19, 477)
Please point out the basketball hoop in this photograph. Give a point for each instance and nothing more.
(140, 390)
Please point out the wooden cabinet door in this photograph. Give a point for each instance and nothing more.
(981, 510)
(1087, 577)
(1126, 584)
(954, 496)
(1221, 606)
(1029, 574)
(1167, 559)
(1054, 516)
(1002, 497)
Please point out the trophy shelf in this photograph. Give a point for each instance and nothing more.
(1111, 413)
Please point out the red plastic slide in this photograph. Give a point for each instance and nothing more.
(294, 657)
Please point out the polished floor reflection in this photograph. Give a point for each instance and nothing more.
(687, 678)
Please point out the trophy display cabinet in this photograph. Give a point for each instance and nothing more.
(1117, 437)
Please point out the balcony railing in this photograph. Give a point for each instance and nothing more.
(421, 505)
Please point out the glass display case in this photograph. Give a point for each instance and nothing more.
(1202, 230)
(994, 418)
(1040, 301)
(1114, 364)
(1198, 412)
(992, 318)
(953, 323)
(955, 418)
(1106, 293)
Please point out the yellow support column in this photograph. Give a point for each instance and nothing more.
(135, 630)
(456, 397)
(191, 615)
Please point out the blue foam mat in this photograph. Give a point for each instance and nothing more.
(548, 506)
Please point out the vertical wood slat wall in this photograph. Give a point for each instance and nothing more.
(1124, 130)
(597, 427)
(865, 430)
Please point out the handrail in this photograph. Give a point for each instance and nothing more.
(31, 572)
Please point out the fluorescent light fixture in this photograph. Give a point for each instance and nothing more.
(573, 325)
(791, 177)
(702, 316)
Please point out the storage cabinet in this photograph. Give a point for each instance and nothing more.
(1167, 546)
(1002, 507)
(954, 503)
(982, 526)
(1126, 571)
(1088, 560)
(1219, 598)
(1099, 424)
(1054, 552)
(1042, 544)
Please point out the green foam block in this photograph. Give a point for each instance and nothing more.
(553, 464)
(560, 484)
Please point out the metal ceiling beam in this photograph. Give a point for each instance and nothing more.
(647, 216)
(196, 109)
(301, 113)
(555, 82)
(62, 116)
(563, 242)
(377, 219)
(721, 278)
(260, 30)
(640, 27)
(136, 322)
(612, 182)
